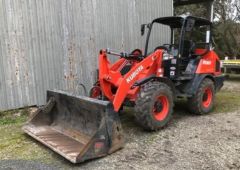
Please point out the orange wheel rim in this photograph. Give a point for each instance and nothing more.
(161, 108)
(207, 97)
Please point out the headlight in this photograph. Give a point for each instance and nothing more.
(167, 56)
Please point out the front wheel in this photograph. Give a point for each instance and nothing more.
(154, 105)
(202, 102)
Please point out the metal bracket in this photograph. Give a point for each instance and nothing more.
(48, 107)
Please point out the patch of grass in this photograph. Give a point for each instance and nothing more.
(227, 102)
(14, 144)
(233, 77)
(13, 116)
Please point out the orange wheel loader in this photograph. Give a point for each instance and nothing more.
(81, 128)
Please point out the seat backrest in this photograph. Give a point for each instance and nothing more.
(186, 48)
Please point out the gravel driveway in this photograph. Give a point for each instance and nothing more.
(188, 142)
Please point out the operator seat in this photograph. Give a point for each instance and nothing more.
(187, 46)
(188, 61)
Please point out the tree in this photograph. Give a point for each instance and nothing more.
(226, 24)
(227, 27)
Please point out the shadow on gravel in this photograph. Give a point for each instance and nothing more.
(131, 127)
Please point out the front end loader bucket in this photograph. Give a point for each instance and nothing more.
(78, 128)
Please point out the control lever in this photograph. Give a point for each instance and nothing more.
(123, 55)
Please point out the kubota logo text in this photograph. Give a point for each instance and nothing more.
(207, 62)
(134, 74)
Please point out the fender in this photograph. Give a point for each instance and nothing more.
(193, 85)
(159, 79)
(219, 82)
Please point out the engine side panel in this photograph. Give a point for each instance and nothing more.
(209, 63)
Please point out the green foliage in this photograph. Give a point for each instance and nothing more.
(226, 30)
(13, 117)
(14, 144)
(199, 10)
(227, 38)
(227, 102)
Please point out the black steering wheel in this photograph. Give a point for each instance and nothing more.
(136, 52)
(161, 48)
(135, 55)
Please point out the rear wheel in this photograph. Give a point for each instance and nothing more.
(154, 105)
(202, 101)
(95, 91)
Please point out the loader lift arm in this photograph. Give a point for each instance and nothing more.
(109, 77)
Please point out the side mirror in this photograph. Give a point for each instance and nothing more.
(143, 29)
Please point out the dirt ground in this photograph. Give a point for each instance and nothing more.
(189, 142)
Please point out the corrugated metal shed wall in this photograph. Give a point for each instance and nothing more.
(47, 44)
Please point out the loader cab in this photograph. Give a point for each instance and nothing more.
(190, 40)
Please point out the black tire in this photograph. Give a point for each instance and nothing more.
(146, 103)
(196, 103)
